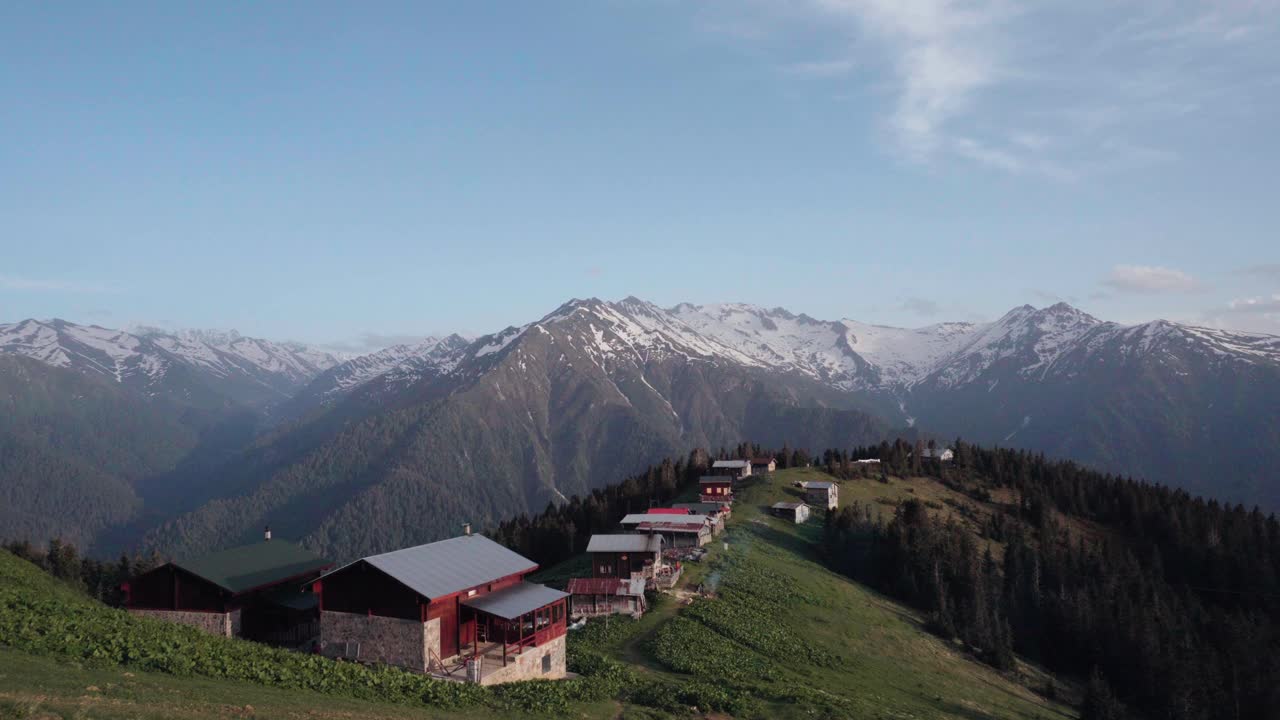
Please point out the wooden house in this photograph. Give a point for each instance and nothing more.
(677, 531)
(715, 489)
(795, 512)
(625, 556)
(822, 494)
(257, 591)
(459, 609)
(596, 596)
(717, 513)
(733, 468)
(760, 465)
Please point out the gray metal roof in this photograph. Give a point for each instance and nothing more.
(449, 566)
(715, 479)
(819, 485)
(787, 506)
(625, 543)
(637, 518)
(510, 603)
(731, 464)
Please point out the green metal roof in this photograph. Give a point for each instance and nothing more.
(243, 568)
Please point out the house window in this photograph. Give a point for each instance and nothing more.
(546, 663)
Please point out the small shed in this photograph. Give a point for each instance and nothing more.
(763, 465)
(256, 591)
(822, 493)
(715, 489)
(731, 468)
(625, 556)
(677, 531)
(795, 512)
(593, 597)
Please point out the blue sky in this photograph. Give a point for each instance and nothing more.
(357, 173)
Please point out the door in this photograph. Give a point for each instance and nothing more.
(449, 629)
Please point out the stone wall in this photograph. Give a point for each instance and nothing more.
(212, 623)
(528, 665)
(391, 641)
(431, 641)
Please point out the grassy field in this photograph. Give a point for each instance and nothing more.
(784, 638)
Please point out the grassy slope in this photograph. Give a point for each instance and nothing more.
(66, 683)
(885, 665)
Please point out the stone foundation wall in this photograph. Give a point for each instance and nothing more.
(212, 623)
(391, 641)
(431, 641)
(528, 665)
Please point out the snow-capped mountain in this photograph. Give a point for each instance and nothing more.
(197, 367)
(392, 369)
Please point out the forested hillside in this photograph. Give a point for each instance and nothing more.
(1167, 603)
(72, 448)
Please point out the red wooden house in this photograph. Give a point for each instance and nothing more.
(716, 489)
(458, 608)
(253, 591)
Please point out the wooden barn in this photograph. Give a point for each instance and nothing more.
(760, 465)
(677, 531)
(731, 468)
(715, 489)
(258, 592)
(593, 597)
(717, 513)
(822, 494)
(795, 512)
(625, 556)
(459, 609)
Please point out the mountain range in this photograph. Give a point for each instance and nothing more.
(363, 454)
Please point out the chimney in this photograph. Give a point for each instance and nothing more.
(466, 529)
(266, 533)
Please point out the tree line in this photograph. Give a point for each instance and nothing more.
(1168, 604)
(100, 579)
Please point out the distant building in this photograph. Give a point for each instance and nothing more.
(822, 494)
(939, 454)
(666, 511)
(458, 609)
(763, 465)
(715, 489)
(868, 461)
(795, 512)
(625, 556)
(255, 591)
(718, 513)
(677, 531)
(593, 597)
(732, 468)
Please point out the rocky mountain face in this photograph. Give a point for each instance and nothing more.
(528, 416)
(193, 367)
(396, 447)
(1188, 406)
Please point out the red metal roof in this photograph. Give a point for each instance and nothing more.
(668, 511)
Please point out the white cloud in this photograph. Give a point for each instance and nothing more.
(27, 284)
(921, 306)
(1059, 89)
(1255, 305)
(1262, 270)
(822, 68)
(1150, 279)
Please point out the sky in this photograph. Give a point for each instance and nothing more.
(355, 174)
